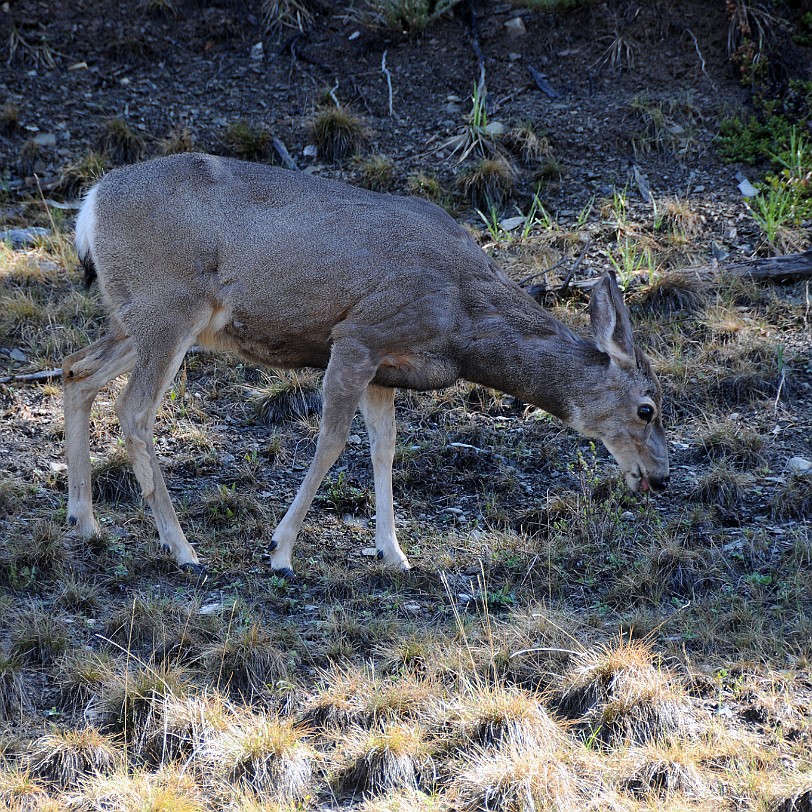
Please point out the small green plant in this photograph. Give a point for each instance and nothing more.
(630, 261)
(476, 136)
(774, 210)
(425, 186)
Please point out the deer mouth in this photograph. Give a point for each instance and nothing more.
(637, 481)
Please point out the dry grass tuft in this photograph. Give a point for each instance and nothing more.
(622, 697)
(82, 674)
(18, 791)
(378, 173)
(339, 700)
(188, 726)
(505, 715)
(179, 140)
(120, 143)
(795, 794)
(15, 698)
(722, 486)
(40, 552)
(290, 396)
(337, 134)
(664, 771)
(390, 757)
(515, 779)
(678, 219)
(77, 177)
(404, 800)
(246, 661)
(526, 144)
(793, 500)
(167, 790)
(113, 480)
(131, 703)
(66, 757)
(731, 441)
(266, 755)
(400, 699)
(488, 183)
(37, 637)
(246, 142)
(674, 293)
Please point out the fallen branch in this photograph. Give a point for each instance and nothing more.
(284, 155)
(42, 375)
(786, 268)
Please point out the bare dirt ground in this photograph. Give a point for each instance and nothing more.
(559, 639)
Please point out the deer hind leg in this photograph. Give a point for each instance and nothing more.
(159, 358)
(349, 371)
(378, 409)
(84, 373)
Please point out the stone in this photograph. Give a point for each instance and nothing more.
(799, 465)
(516, 27)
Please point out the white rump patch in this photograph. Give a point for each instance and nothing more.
(86, 225)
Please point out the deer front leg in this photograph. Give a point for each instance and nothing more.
(349, 371)
(378, 408)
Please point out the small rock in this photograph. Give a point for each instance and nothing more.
(454, 510)
(412, 607)
(23, 237)
(627, 516)
(354, 35)
(354, 439)
(495, 128)
(452, 98)
(514, 57)
(310, 151)
(747, 188)
(730, 234)
(452, 108)
(719, 253)
(257, 51)
(58, 467)
(45, 139)
(226, 458)
(799, 465)
(18, 355)
(369, 552)
(210, 609)
(516, 27)
(512, 223)
(464, 597)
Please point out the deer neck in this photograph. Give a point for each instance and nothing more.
(526, 352)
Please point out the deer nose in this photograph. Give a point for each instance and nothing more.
(658, 483)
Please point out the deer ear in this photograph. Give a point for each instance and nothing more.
(611, 324)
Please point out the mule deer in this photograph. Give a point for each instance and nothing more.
(289, 270)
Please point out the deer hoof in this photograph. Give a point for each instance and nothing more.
(164, 548)
(193, 568)
(379, 555)
(285, 572)
(72, 520)
(272, 546)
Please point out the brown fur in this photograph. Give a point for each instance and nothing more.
(289, 270)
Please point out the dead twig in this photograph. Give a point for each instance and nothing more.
(284, 155)
(388, 75)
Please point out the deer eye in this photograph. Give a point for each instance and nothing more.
(645, 412)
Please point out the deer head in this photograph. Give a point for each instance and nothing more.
(624, 408)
